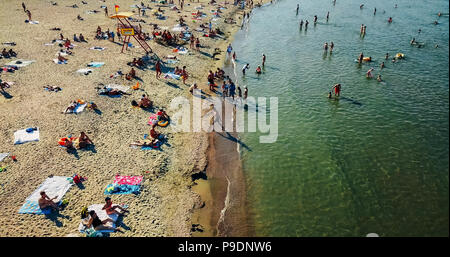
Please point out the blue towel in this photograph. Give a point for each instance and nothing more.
(123, 189)
(32, 207)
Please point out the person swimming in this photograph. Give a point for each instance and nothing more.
(369, 73)
(379, 78)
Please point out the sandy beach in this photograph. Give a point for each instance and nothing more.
(166, 202)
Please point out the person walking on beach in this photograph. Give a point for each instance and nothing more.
(106, 11)
(24, 7)
(229, 49)
(29, 15)
(158, 69)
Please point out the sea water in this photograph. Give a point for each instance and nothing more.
(374, 161)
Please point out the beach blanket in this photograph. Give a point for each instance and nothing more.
(3, 156)
(95, 64)
(20, 63)
(102, 216)
(54, 186)
(98, 48)
(31, 22)
(170, 61)
(124, 185)
(118, 87)
(84, 71)
(22, 136)
(128, 180)
(59, 62)
(171, 75)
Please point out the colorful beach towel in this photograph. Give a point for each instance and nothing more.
(26, 135)
(124, 185)
(54, 186)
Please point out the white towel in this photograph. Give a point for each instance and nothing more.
(84, 71)
(118, 87)
(98, 48)
(3, 156)
(33, 22)
(54, 186)
(79, 108)
(21, 136)
(22, 64)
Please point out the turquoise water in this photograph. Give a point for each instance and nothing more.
(377, 159)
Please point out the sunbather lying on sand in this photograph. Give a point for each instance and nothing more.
(112, 209)
(61, 59)
(71, 107)
(146, 142)
(46, 202)
(53, 88)
(97, 224)
(110, 92)
(145, 102)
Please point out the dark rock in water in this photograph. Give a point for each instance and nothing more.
(203, 204)
(199, 175)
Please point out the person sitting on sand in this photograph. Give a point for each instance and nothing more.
(140, 63)
(5, 53)
(67, 43)
(12, 53)
(75, 38)
(131, 74)
(82, 39)
(71, 107)
(47, 202)
(79, 18)
(153, 133)
(3, 85)
(61, 59)
(193, 87)
(84, 140)
(112, 209)
(177, 71)
(162, 115)
(145, 102)
(97, 224)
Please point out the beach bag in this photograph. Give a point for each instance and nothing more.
(84, 212)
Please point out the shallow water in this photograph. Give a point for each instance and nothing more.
(374, 161)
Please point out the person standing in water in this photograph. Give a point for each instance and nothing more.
(360, 58)
(298, 6)
(325, 47)
(337, 89)
(374, 11)
(362, 29)
(382, 65)
(331, 47)
(386, 56)
(306, 25)
(390, 20)
(301, 24)
(247, 66)
(263, 59)
(315, 19)
(328, 16)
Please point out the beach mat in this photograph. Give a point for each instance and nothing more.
(98, 48)
(54, 186)
(95, 64)
(3, 156)
(84, 71)
(22, 136)
(124, 185)
(20, 63)
(118, 87)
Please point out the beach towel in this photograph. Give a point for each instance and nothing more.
(84, 71)
(118, 87)
(102, 216)
(61, 53)
(20, 63)
(3, 156)
(59, 62)
(98, 48)
(95, 64)
(153, 119)
(31, 22)
(171, 75)
(116, 189)
(79, 108)
(128, 180)
(54, 186)
(22, 136)
(171, 61)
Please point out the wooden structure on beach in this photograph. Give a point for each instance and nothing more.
(127, 30)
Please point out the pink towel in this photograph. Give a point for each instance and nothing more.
(128, 180)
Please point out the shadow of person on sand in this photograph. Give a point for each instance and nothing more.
(6, 94)
(120, 224)
(74, 152)
(89, 147)
(234, 139)
(53, 216)
(173, 85)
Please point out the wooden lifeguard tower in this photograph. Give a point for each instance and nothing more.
(127, 30)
